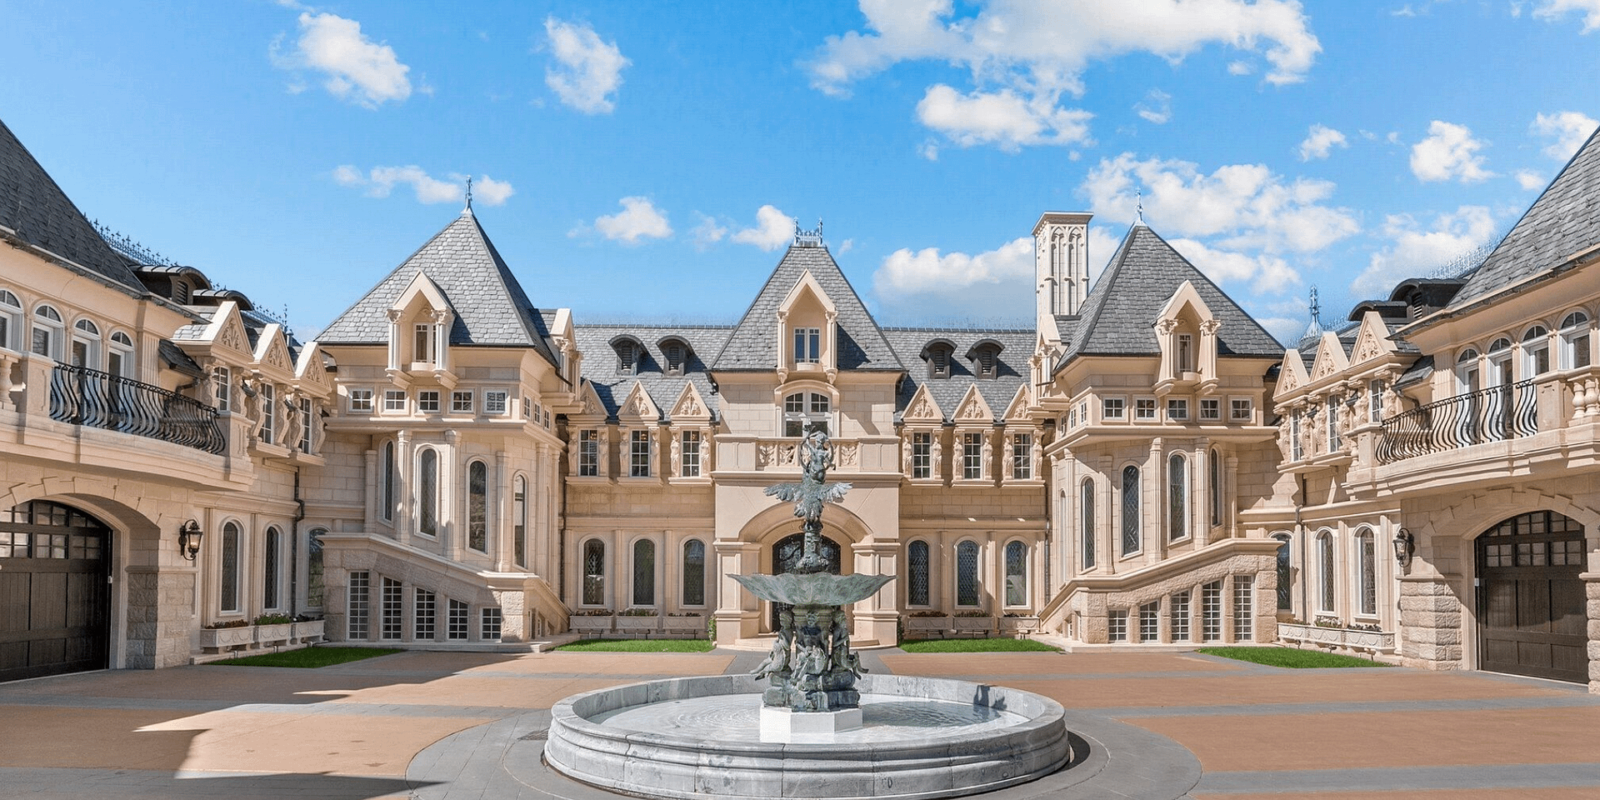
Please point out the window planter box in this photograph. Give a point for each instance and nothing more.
(581, 624)
(308, 632)
(925, 627)
(973, 624)
(1368, 641)
(1019, 624)
(638, 624)
(220, 639)
(273, 634)
(684, 627)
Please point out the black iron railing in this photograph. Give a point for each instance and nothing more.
(98, 399)
(1487, 415)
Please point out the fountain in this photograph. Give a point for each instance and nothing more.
(818, 727)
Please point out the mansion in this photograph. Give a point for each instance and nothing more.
(453, 464)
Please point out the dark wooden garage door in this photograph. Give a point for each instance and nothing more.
(1530, 598)
(54, 598)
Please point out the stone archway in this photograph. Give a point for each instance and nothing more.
(1531, 610)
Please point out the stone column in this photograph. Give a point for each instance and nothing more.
(1430, 622)
(1153, 535)
(405, 490)
(1108, 518)
(499, 520)
(161, 606)
(1591, 583)
(738, 613)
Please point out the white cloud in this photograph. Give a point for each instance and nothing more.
(1319, 141)
(989, 284)
(382, 181)
(1266, 273)
(638, 220)
(1253, 207)
(846, 246)
(1448, 152)
(1240, 68)
(1023, 55)
(1416, 249)
(354, 67)
(707, 232)
(1554, 10)
(588, 71)
(1570, 129)
(773, 229)
(1157, 107)
(1530, 180)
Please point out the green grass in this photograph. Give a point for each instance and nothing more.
(1288, 657)
(308, 658)
(977, 646)
(639, 646)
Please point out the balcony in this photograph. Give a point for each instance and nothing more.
(1495, 414)
(760, 454)
(81, 396)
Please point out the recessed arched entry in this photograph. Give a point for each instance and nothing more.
(54, 595)
(1531, 614)
(786, 552)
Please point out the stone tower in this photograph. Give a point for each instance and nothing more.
(1061, 262)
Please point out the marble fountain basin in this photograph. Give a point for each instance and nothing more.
(699, 737)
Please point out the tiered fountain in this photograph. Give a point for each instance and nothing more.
(818, 727)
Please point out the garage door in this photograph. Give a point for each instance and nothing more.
(54, 598)
(1530, 599)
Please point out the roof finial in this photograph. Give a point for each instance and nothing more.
(1314, 328)
(468, 209)
(1316, 306)
(1138, 211)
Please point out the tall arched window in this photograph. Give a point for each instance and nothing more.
(1285, 576)
(1535, 352)
(1325, 596)
(428, 493)
(1367, 570)
(917, 564)
(967, 574)
(478, 506)
(1177, 497)
(1130, 510)
(228, 592)
(644, 573)
(271, 573)
(694, 573)
(1575, 340)
(47, 332)
(594, 573)
(389, 479)
(1086, 514)
(1214, 486)
(519, 522)
(315, 587)
(119, 358)
(1016, 574)
(10, 321)
(85, 344)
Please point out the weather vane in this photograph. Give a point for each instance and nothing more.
(469, 193)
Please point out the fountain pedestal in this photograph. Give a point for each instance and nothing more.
(789, 726)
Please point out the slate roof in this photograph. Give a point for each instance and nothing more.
(600, 363)
(908, 343)
(752, 345)
(490, 306)
(1562, 222)
(41, 214)
(1118, 316)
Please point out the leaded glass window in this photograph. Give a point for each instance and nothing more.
(917, 562)
(519, 522)
(428, 493)
(1285, 576)
(1366, 557)
(594, 573)
(1177, 497)
(1214, 468)
(1325, 571)
(1130, 511)
(270, 577)
(389, 480)
(967, 574)
(1016, 574)
(314, 583)
(478, 506)
(694, 573)
(1086, 507)
(229, 600)
(644, 573)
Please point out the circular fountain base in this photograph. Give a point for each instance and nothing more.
(700, 737)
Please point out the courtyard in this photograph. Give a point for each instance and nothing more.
(453, 725)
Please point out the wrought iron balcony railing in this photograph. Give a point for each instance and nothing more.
(1487, 415)
(97, 399)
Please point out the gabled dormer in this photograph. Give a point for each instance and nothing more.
(806, 331)
(419, 333)
(1186, 332)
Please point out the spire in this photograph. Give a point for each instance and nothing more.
(1138, 213)
(1314, 328)
(467, 212)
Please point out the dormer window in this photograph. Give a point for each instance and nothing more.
(422, 344)
(938, 354)
(1186, 352)
(677, 356)
(180, 292)
(628, 353)
(807, 345)
(985, 358)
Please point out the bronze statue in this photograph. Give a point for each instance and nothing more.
(809, 495)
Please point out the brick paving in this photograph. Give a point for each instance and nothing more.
(1218, 728)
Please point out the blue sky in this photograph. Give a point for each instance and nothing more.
(641, 160)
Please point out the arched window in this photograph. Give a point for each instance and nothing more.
(428, 492)
(1367, 570)
(1130, 511)
(1325, 596)
(47, 332)
(85, 344)
(594, 572)
(1086, 521)
(918, 567)
(519, 522)
(119, 359)
(1214, 486)
(228, 591)
(389, 479)
(694, 573)
(1535, 352)
(1016, 574)
(10, 321)
(478, 506)
(967, 574)
(1575, 340)
(1177, 497)
(644, 573)
(315, 588)
(271, 572)
(1285, 576)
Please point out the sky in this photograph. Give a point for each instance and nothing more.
(648, 161)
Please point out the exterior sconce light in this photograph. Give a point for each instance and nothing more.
(189, 536)
(1404, 545)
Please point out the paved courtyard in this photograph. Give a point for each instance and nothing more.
(406, 725)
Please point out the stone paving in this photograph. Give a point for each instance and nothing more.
(454, 725)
